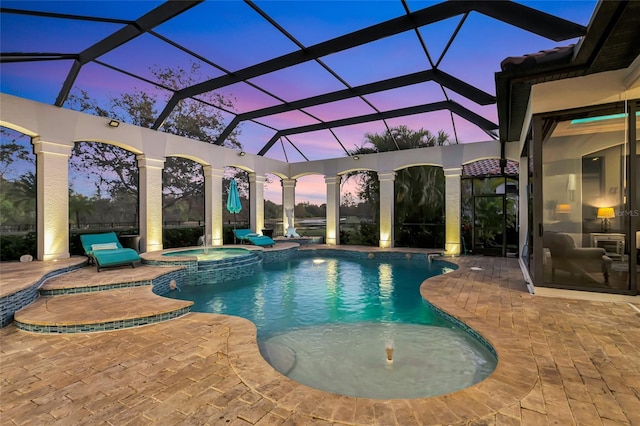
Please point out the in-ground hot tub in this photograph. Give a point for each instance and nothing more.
(210, 265)
(206, 254)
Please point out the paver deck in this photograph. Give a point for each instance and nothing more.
(562, 361)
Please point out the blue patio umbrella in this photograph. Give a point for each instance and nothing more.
(233, 203)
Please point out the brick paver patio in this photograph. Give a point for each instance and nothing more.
(562, 361)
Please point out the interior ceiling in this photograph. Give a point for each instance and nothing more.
(308, 79)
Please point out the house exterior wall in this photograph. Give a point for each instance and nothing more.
(560, 160)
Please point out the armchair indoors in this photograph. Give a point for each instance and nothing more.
(577, 261)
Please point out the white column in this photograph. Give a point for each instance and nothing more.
(256, 202)
(387, 204)
(452, 210)
(213, 206)
(288, 202)
(150, 202)
(52, 204)
(333, 210)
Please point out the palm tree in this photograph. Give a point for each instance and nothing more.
(419, 191)
(23, 193)
(79, 205)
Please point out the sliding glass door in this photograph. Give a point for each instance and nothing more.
(586, 224)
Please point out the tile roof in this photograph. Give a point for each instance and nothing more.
(489, 167)
(557, 55)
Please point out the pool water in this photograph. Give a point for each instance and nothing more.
(206, 253)
(325, 322)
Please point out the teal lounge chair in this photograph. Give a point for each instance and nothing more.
(106, 251)
(247, 235)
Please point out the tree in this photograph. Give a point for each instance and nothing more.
(348, 200)
(419, 191)
(13, 151)
(416, 188)
(116, 168)
(183, 189)
(191, 118)
(272, 210)
(17, 179)
(24, 192)
(18, 200)
(79, 206)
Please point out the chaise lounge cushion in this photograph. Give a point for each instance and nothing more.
(247, 235)
(106, 251)
(104, 246)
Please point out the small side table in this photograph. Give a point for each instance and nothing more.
(609, 241)
(130, 241)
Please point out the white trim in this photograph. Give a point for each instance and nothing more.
(526, 276)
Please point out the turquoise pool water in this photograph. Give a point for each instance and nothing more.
(325, 322)
(210, 253)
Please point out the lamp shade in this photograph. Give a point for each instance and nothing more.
(563, 208)
(606, 213)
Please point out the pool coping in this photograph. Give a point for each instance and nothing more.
(165, 254)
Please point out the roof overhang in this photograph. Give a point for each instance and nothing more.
(612, 42)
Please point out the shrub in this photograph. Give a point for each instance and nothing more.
(369, 233)
(181, 237)
(14, 246)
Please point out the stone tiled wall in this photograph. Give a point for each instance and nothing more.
(303, 241)
(280, 255)
(190, 265)
(387, 255)
(217, 272)
(92, 289)
(209, 272)
(162, 284)
(18, 300)
(104, 326)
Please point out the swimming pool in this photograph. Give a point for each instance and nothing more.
(210, 253)
(326, 322)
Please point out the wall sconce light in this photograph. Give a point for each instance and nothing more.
(355, 157)
(242, 153)
(606, 213)
(114, 123)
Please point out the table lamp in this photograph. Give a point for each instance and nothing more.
(606, 213)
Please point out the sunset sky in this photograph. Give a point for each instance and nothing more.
(233, 35)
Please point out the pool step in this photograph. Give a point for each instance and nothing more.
(99, 311)
(85, 300)
(88, 280)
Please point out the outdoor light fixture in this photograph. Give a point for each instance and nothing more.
(242, 153)
(114, 123)
(606, 213)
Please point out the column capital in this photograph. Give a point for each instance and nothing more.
(253, 177)
(210, 171)
(386, 176)
(44, 147)
(153, 163)
(288, 183)
(452, 171)
(332, 180)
